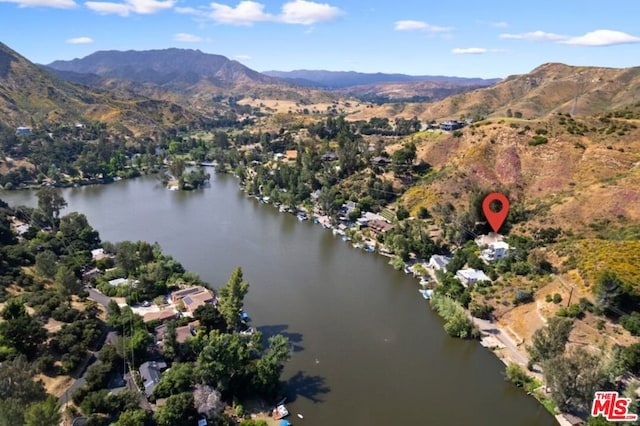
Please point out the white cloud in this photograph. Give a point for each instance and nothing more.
(143, 7)
(80, 40)
(248, 12)
(243, 57)
(245, 13)
(308, 12)
(469, 50)
(602, 38)
(108, 8)
(410, 25)
(535, 36)
(59, 4)
(501, 24)
(187, 38)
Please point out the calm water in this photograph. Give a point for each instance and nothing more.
(368, 349)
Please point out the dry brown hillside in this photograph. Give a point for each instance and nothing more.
(547, 89)
(576, 180)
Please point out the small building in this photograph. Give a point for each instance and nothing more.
(381, 161)
(368, 217)
(331, 156)
(22, 229)
(23, 131)
(469, 276)
(150, 373)
(99, 254)
(291, 154)
(495, 250)
(123, 281)
(90, 274)
(451, 125)
(439, 262)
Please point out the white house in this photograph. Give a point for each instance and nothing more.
(123, 281)
(439, 262)
(469, 277)
(495, 250)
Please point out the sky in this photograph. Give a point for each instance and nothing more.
(490, 38)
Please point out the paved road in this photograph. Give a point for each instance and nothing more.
(110, 338)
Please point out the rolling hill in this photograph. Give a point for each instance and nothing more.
(189, 77)
(549, 88)
(31, 96)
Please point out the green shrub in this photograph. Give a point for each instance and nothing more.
(557, 298)
(538, 140)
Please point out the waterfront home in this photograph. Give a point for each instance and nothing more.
(380, 226)
(439, 262)
(469, 276)
(150, 373)
(495, 250)
(368, 217)
(193, 297)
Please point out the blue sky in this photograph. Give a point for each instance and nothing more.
(464, 38)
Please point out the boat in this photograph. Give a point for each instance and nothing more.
(280, 412)
(345, 238)
(426, 293)
(244, 316)
(302, 216)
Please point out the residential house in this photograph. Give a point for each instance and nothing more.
(451, 125)
(368, 217)
(193, 297)
(381, 161)
(90, 274)
(150, 373)
(469, 276)
(161, 315)
(99, 254)
(495, 250)
(439, 262)
(331, 156)
(380, 226)
(123, 281)
(182, 333)
(23, 131)
(291, 154)
(193, 302)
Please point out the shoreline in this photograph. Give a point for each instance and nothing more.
(493, 336)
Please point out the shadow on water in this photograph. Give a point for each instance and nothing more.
(295, 339)
(306, 386)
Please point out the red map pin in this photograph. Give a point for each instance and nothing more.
(496, 219)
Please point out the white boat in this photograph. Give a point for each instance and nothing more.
(426, 293)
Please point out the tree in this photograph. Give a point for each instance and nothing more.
(574, 378)
(23, 333)
(176, 168)
(178, 410)
(608, 290)
(46, 263)
(127, 256)
(208, 401)
(175, 380)
(50, 202)
(45, 413)
(131, 418)
(270, 365)
(222, 362)
(209, 317)
(67, 281)
(549, 342)
(232, 299)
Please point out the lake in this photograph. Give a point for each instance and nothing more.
(368, 350)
